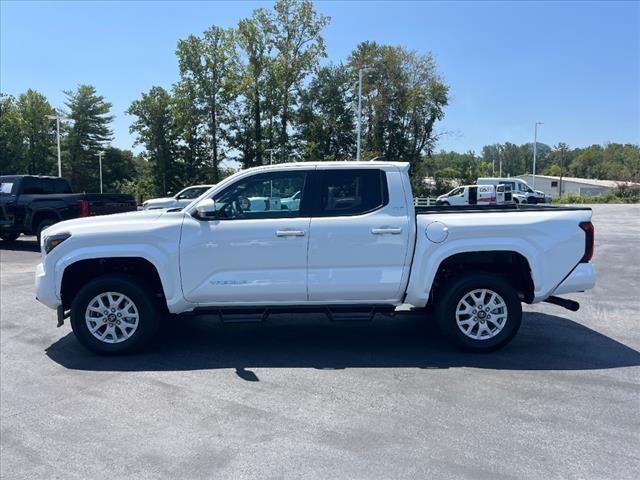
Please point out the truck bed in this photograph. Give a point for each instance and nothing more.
(496, 208)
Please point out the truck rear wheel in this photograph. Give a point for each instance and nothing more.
(9, 237)
(479, 312)
(113, 315)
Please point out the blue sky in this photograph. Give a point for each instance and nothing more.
(574, 66)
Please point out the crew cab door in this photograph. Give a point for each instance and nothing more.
(251, 253)
(358, 246)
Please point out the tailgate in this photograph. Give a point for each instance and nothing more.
(108, 203)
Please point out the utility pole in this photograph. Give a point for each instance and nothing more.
(499, 161)
(360, 72)
(535, 150)
(99, 155)
(561, 166)
(57, 118)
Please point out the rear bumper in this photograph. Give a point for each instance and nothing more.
(582, 278)
(46, 288)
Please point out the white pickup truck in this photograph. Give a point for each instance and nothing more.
(353, 246)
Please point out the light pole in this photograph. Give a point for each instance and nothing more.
(99, 155)
(535, 150)
(360, 72)
(270, 150)
(57, 118)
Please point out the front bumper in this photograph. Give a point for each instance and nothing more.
(582, 278)
(46, 288)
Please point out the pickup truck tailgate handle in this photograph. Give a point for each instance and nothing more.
(290, 233)
(386, 230)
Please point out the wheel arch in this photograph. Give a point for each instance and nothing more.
(39, 216)
(79, 273)
(508, 264)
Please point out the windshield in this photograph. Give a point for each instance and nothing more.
(191, 193)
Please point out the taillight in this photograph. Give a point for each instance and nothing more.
(84, 208)
(590, 234)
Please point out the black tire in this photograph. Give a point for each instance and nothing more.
(447, 304)
(446, 204)
(41, 226)
(9, 237)
(149, 315)
(516, 201)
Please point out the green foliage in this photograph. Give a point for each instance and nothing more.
(142, 184)
(255, 40)
(88, 134)
(403, 98)
(449, 169)
(327, 128)
(38, 132)
(299, 45)
(621, 194)
(11, 137)
(27, 136)
(210, 64)
(155, 127)
(257, 89)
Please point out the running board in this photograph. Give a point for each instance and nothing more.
(335, 313)
(564, 302)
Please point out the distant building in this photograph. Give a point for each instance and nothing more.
(579, 186)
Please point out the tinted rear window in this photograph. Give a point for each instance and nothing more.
(352, 192)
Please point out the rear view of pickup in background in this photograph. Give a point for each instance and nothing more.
(29, 204)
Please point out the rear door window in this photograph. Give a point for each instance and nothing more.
(31, 186)
(61, 186)
(47, 186)
(352, 192)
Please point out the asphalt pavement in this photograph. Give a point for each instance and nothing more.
(301, 397)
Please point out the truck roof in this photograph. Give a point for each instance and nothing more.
(32, 176)
(334, 164)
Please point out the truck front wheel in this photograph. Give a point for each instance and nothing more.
(479, 312)
(113, 314)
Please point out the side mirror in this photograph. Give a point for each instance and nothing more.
(207, 209)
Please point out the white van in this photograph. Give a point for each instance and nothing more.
(476, 195)
(522, 192)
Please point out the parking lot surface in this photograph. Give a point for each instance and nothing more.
(301, 397)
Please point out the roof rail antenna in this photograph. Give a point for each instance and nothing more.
(380, 158)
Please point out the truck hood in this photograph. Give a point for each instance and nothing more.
(105, 223)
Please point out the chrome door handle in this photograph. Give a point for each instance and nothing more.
(386, 230)
(290, 233)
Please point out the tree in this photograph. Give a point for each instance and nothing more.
(191, 142)
(11, 135)
(326, 116)
(142, 186)
(403, 98)
(88, 135)
(255, 38)
(155, 127)
(38, 132)
(299, 45)
(211, 63)
(118, 166)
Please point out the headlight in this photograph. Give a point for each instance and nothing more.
(53, 241)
